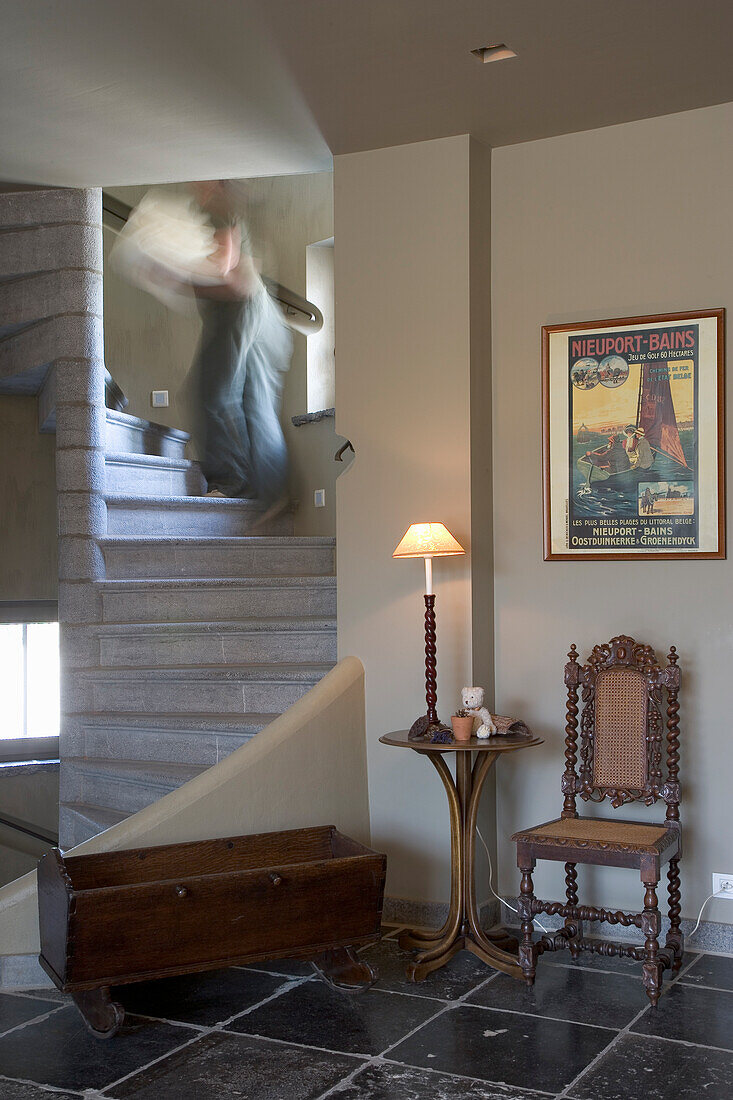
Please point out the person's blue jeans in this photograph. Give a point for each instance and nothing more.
(244, 350)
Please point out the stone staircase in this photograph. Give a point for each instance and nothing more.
(207, 630)
(184, 627)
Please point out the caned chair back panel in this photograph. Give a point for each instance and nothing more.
(620, 741)
(614, 744)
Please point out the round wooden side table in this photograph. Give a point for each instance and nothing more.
(462, 931)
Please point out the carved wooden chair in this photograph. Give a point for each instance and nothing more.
(621, 723)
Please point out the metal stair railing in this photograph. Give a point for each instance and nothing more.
(27, 829)
(299, 313)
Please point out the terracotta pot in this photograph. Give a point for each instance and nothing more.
(462, 727)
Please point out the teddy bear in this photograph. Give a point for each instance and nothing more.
(472, 700)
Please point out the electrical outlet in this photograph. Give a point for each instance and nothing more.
(159, 399)
(723, 886)
(319, 498)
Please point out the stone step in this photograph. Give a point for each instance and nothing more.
(219, 599)
(30, 246)
(30, 349)
(79, 821)
(247, 556)
(121, 786)
(198, 516)
(238, 690)
(29, 298)
(196, 739)
(47, 206)
(152, 475)
(128, 434)
(167, 645)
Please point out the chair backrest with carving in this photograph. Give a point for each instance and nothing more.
(621, 727)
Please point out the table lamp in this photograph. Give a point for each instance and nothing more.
(428, 540)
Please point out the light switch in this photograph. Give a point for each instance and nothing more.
(319, 498)
(159, 399)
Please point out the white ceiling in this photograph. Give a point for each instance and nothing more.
(93, 92)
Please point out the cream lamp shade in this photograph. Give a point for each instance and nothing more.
(427, 540)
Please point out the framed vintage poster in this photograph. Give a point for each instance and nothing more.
(633, 438)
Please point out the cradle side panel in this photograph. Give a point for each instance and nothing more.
(155, 928)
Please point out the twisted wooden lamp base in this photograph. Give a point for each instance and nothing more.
(427, 725)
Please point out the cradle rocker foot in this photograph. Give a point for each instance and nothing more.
(343, 969)
(102, 1016)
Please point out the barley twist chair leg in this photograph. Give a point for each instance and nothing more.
(651, 923)
(575, 927)
(527, 951)
(675, 940)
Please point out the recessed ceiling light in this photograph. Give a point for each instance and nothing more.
(499, 52)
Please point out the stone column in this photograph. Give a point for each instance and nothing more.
(52, 254)
(80, 428)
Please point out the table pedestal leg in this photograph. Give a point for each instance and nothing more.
(423, 940)
(462, 930)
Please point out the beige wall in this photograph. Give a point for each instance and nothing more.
(622, 221)
(28, 568)
(287, 214)
(404, 379)
(148, 346)
(321, 345)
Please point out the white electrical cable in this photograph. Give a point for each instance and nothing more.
(493, 891)
(699, 915)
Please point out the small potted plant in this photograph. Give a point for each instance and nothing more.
(462, 723)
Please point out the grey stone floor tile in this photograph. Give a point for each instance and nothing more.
(463, 973)
(587, 961)
(712, 970)
(289, 968)
(17, 1010)
(691, 1015)
(523, 1051)
(203, 999)
(301, 968)
(49, 994)
(59, 1050)
(222, 1066)
(19, 1090)
(509, 1050)
(584, 996)
(643, 1067)
(319, 1016)
(630, 967)
(389, 1082)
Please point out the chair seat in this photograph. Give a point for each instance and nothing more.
(591, 837)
